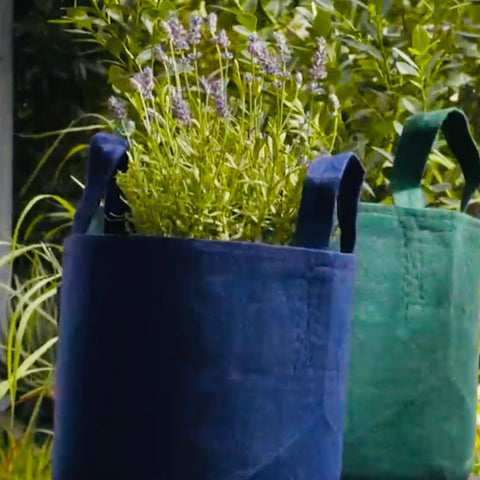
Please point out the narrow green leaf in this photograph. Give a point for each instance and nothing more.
(24, 368)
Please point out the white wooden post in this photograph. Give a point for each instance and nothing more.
(6, 133)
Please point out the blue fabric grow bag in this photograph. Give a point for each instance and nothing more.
(183, 359)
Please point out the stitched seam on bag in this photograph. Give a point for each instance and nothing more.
(289, 444)
(308, 324)
(406, 216)
(405, 268)
(267, 251)
(425, 213)
(464, 219)
(412, 272)
(302, 330)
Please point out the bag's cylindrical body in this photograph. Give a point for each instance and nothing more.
(184, 359)
(414, 360)
(413, 372)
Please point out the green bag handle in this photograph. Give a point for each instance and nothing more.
(414, 147)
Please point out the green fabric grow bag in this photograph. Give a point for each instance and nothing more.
(413, 371)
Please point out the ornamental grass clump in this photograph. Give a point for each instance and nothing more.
(220, 140)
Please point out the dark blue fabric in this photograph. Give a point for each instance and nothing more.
(107, 155)
(330, 183)
(184, 359)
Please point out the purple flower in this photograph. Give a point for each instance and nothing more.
(195, 31)
(219, 97)
(222, 39)
(256, 47)
(206, 85)
(277, 84)
(269, 64)
(319, 60)
(184, 65)
(143, 82)
(216, 90)
(166, 28)
(180, 108)
(195, 55)
(162, 56)
(282, 47)
(315, 88)
(118, 108)
(176, 33)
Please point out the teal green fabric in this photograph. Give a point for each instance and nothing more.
(414, 347)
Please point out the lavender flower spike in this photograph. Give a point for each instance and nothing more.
(166, 28)
(315, 88)
(269, 64)
(256, 47)
(176, 33)
(184, 65)
(180, 108)
(319, 60)
(162, 56)
(219, 97)
(118, 108)
(195, 31)
(282, 47)
(143, 82)
(222, 39)
(206, 85)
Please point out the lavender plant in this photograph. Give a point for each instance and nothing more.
(221, 139)
(387, 59)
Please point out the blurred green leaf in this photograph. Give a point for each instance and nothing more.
(322, 25)
(276, 9)
(420, 38)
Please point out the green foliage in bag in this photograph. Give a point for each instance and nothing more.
(413, 372)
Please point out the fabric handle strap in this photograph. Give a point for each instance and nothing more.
(415, 145)
(107, 155)
(330, 182)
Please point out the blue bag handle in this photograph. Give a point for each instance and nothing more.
(107, 155)
(330, 182)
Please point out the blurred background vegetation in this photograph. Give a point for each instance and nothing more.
(56, 81)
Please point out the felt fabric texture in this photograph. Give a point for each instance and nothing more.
(184, 359)
(413, 372)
